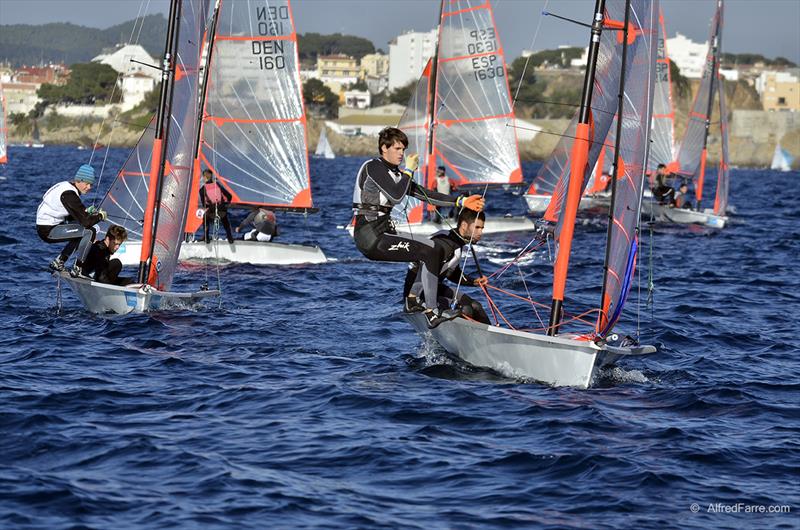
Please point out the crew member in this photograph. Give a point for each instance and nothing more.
(98, 261)
(215, 198)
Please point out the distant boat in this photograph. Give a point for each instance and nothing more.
(37, 142)
(3, 129)
(324, 149)
(781, 159)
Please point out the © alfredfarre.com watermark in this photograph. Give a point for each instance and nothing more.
(740, 507)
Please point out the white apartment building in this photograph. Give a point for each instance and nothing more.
(121, 61)
(688, 55)
(408, 54)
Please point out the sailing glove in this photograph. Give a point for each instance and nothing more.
(103, 214)
(481, 282)
(412, 162)
(473, 202)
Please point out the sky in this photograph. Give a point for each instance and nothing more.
(768, 27)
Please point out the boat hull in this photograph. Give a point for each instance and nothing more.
(104, 298)
(557, 361)
(220, 251)
(663, 213)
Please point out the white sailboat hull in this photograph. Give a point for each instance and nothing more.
(557, 361)
(663, 213)
(494, 225)
(103, 298)
(220, 251)
(537, 204)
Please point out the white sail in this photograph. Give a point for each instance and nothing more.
(781, 159)
(324, 149)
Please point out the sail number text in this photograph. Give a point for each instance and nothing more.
(271, 22)
(488, 66)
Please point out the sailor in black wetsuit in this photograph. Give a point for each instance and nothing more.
(469, 229)
(380, 185)
(61, 216)
(99, 262)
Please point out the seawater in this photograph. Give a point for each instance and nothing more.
(306, 401)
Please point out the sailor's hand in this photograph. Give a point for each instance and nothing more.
(91, 210)
(103, 214)
(412, 161)
(483, 281)
(473, 202)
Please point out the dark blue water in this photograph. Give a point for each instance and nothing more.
(306, 401)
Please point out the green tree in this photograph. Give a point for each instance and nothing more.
(679, 82)
(88, 83)
(402, 95)
(319, 99)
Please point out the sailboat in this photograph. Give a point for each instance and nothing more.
(691, 160)
(253, 133)
(781, 159)
(324, 149)
(622, 54)
(37, 142)
(171, 144)
(460, 116)
(3, 128)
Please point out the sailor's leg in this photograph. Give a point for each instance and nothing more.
(473, 309)
(71, 232)
(86, 242)
(111, 273)
(261, 236)
(402, 248)
(226, 223)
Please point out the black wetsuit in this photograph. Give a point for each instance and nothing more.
(379, 187)
(452, 245)
(105, 269)
(216, 209)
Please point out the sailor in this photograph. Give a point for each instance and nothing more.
(379, 186)
(61, 216)
(446, 186)
(469, 230)
(215, 197)
(99, 263)
(663, 193)
(264, 222)
(681, 198)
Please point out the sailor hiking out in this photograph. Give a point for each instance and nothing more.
(379, 186)
(61, 216)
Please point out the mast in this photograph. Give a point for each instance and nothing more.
(579, 157)
(159, 143)
(713, 74)
(201, 105)
(432, 98)
(617, 159)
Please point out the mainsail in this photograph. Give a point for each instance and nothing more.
(554, 176)
(663, 136)
(132, 199)
(462, 104)
(636, 111)
(3, 128)
(723, 171)
(254, 122)
(324, 149)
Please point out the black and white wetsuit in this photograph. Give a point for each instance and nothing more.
(379, 187)
(452, 245)
(61, 216)
(100, 264)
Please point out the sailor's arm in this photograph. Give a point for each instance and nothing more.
(77, 210)
(247, 220)
(379, 173)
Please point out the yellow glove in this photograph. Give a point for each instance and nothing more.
(473, 202)
(482, 281)
(412, 161)
(103, 214)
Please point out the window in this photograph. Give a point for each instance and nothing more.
(781, 101)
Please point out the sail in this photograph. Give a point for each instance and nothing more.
(693, 143)
(663, 135)
(474, 133)
(723, 171)
(254, 127)
(553, 177)
(781, 159)
(324, 149)
(635, 118)
(126, 200)
(415, 123)
(3, 128)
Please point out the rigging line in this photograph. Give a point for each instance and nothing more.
(525, 284)
(527, 60)
(472, 251)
